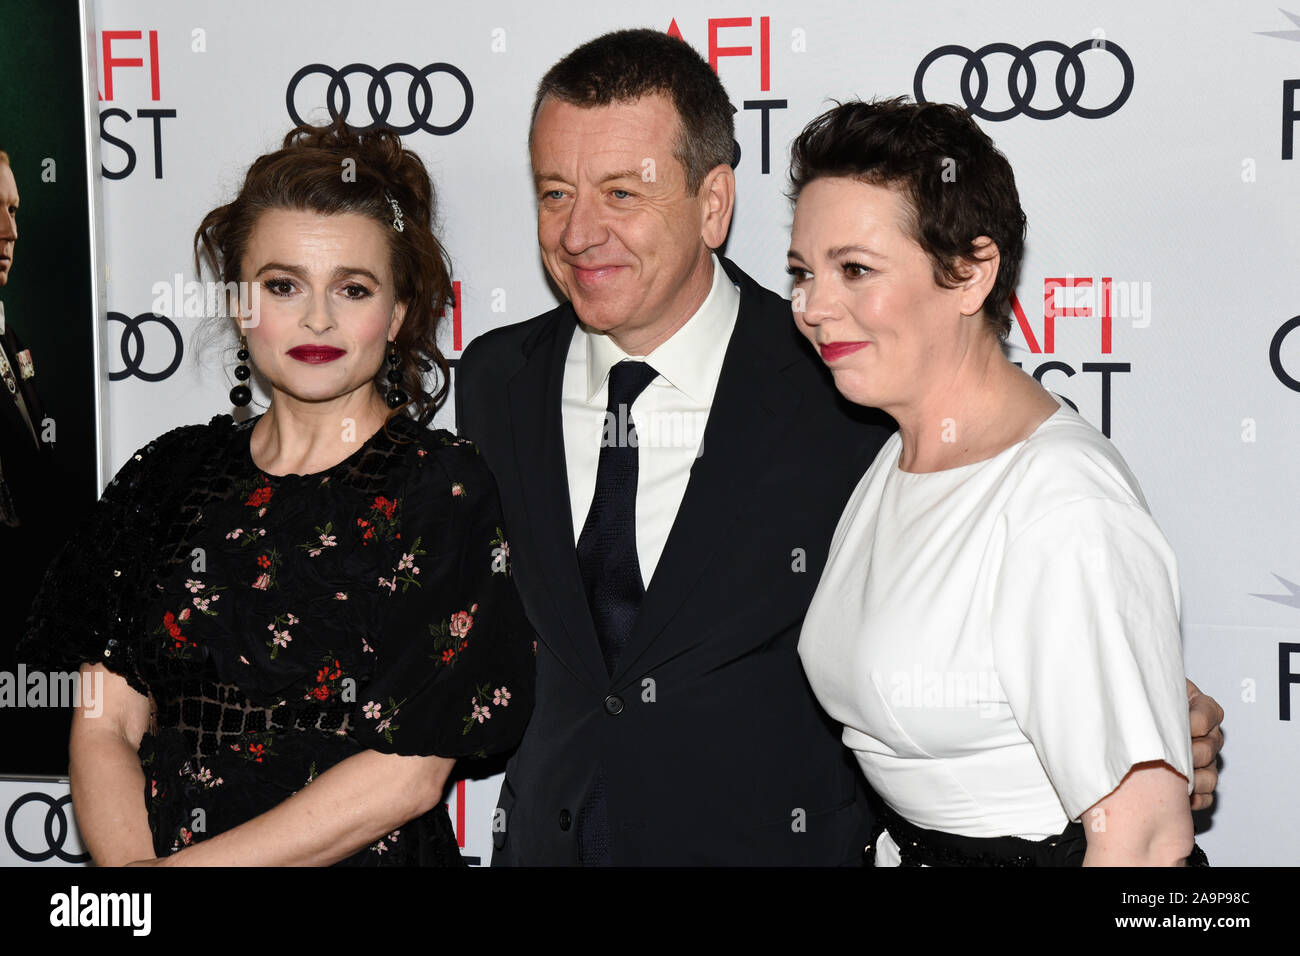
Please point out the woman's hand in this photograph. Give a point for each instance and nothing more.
(1145, 821)
(1205, 715)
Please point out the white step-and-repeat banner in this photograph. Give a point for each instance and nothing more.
(1155, 150)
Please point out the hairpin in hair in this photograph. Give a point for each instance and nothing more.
(398, 224)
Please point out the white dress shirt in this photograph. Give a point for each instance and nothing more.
(670, 414)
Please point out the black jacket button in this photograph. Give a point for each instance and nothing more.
(566, 820)
(613, 705)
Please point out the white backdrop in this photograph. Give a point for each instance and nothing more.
(1178, 199)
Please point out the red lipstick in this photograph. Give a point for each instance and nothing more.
(831, 351)
(316, 354)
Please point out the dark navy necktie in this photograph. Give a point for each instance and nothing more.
(607, 554)
(611, 571)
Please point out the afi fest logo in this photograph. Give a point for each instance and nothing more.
(740, 38)
(1290, 88)
(132, 74)
(1097, 302)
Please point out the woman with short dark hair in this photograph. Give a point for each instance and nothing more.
(301, 620)
(997, 625)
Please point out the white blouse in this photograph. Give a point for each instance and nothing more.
(1001, 640)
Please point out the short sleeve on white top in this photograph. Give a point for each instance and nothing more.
(1086, 644)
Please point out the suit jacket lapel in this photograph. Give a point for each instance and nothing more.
(26, 388)
(536, 417)
(751, 408)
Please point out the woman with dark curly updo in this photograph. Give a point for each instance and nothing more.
(301, 620)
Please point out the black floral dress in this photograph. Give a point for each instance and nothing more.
(283, 624)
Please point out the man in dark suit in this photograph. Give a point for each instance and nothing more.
(667, 578)
(24, 456)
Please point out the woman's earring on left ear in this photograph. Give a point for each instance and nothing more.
(241, 394)
(395, 398)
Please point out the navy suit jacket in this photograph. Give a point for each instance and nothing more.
(714, 749)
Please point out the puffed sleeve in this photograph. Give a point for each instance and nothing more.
(454, 675)
(1087, 646)
(83, 611)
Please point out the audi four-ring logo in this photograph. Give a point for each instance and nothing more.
(1069, 78)
(1275, 353)
(132, 346)
(57, 829)
(379, 96)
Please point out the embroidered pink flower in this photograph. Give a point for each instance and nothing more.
(457, 490)
(194, 587)
(340, 596)
(263, 582)
(185, 614)
(481, 713)
(234, 534)
(501, 697)
(371, 710)
(461, 622)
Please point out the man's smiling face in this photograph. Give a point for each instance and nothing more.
(619, 232)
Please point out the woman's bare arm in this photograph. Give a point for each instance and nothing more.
(346, 808)
(1145, 821)
(104, 767)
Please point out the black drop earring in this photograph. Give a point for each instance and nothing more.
(395, 398)
(241, 394)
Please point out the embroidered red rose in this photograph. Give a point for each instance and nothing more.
(259, 497)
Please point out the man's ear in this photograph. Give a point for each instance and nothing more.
(717, 197)
(980, 272)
